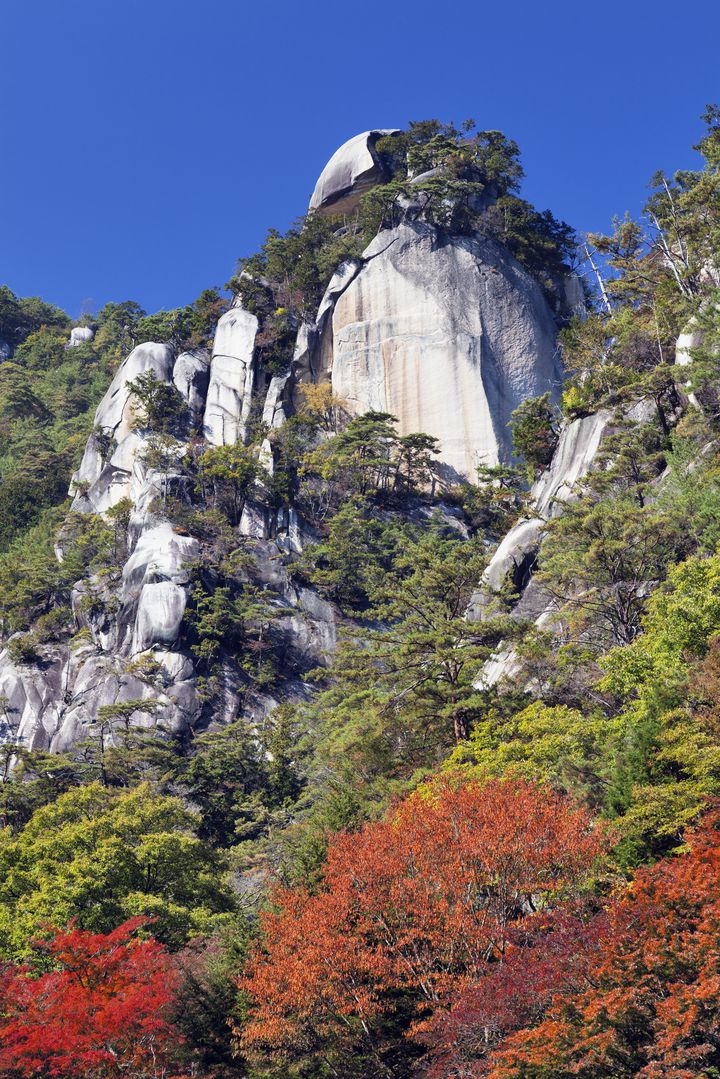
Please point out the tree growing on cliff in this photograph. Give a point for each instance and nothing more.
(598, 562)
(226, 474)
(401, 690)
(160, 405)
(367, 458)
(535, 433)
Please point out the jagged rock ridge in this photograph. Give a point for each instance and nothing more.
(447, 333)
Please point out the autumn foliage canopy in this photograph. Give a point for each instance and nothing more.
(99, 1011)
(411, 911)
(461, 936)
(648, 1001)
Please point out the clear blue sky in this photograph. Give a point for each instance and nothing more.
(144, 146)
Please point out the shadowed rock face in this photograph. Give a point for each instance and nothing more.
(191, 375)
(351, 171)
(449, 335)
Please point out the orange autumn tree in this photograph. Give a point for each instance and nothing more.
(409, 912)
(100, 1012)
(649, 1001)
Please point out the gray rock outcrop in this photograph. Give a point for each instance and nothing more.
(573, 458)
(512, 562)
(691, 339)
(133, 622)
(80, 335)
(448, 333)
(352, 170)
(229, 394)
(191, 375)
(112, 466)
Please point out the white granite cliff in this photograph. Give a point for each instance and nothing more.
(448, 333)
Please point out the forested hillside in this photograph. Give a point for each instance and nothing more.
(324, 755)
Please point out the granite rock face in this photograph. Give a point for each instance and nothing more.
(112, 466)
(351, 171)
(447, 333)
(80, 335)
(573, 458)
(512, 563)
(133, 621)
(449, 336)
(152, 593)
(191, 375)
(229, 394)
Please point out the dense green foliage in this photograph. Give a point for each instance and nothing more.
(535, 433)
(47, 396)
(99, 857)
(48, 392)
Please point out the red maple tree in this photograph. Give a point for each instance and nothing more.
(100, 1012)
(411, 911)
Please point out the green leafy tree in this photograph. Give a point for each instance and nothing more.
(169, 327)
(17, 399)
(243, 779)
(226, 768)
(535, 433)
(297, 266)
(22, 315)
(99, 857)
(161, 406)
(599, 560)
(226, 475)
(496, 501)
(235, 620)
(118, 326)
(118, 750)
(357, 551)
(32, 779)
(164, 453)
(366, 458)
(402, 693)
(569, 748)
